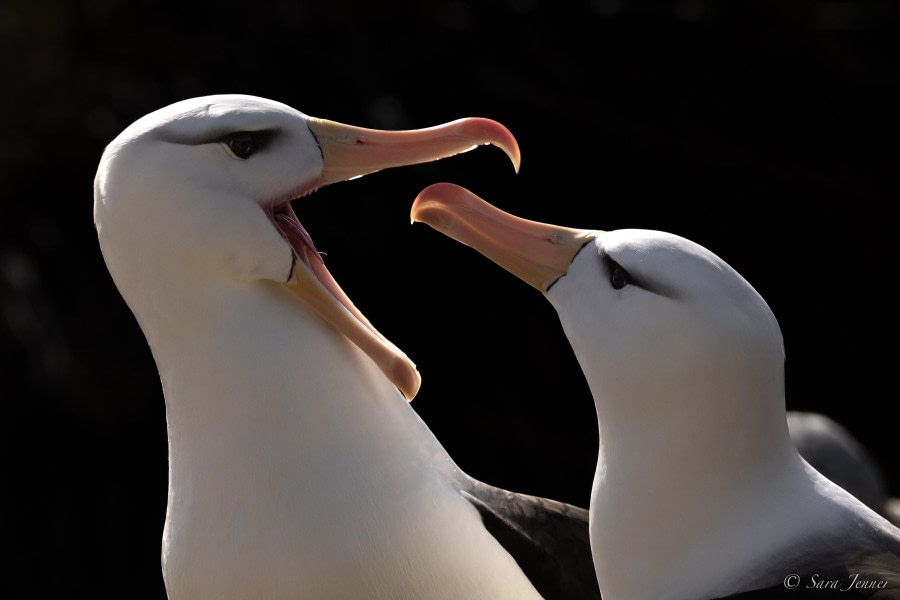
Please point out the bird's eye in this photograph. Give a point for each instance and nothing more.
(618, 277)
(242, 144)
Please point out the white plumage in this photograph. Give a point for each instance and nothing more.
(698, 492)
(297, 469)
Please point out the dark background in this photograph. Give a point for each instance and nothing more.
(768, 133)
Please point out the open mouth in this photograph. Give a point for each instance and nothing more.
(287, 223)
(349, 152)
(311, 280)
(285, 220)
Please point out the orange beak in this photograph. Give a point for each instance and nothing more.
(349, 152)
(536, 253)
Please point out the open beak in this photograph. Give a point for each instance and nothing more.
(320, 290)
(537, 253)
(349, 152)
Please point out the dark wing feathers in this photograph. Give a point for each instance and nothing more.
(872, 573)
(548, 539)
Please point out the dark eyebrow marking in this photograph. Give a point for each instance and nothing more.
(639, 279)
(219, 135)
(263, 137)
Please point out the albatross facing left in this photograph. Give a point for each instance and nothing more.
(698, 492)
(296, 468)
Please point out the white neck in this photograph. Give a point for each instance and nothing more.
(255, 367)
(698, 491)
(700, 512)
(270, 412)
(292, 455)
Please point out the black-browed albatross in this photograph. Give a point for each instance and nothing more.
(296, 467)
(698, 492)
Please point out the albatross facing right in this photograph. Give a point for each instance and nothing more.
(297, 470)
(698, 492)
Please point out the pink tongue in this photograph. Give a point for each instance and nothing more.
(350, 321)
(290, 227)
(296, 235)
(302, 243)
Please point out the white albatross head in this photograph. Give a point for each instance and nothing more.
(199, 192)
(685, 363)
(660, 325)
(698, 491)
